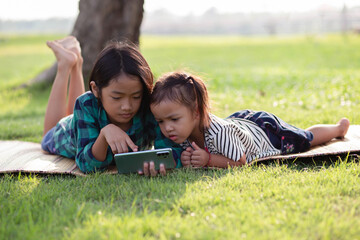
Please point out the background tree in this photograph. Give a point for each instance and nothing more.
(97, 23)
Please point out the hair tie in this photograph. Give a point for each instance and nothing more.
(190, 79)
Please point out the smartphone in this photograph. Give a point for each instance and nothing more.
(132, 162)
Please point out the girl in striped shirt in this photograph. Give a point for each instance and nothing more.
(180, 105)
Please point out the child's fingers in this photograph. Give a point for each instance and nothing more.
(146, 169)
(197, 163)
(149, 169)
(185, 161)
(122, 146)
(162, 169)
(189, 150)
(153, 172)
(186, 154)
(185, 158)
(116, 147)
(131, 144)
(113, 148)
(198, 154)
(186, 164)
(196, 147)
(199, 158)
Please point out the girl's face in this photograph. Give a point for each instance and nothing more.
(121, 99)
(176, 121)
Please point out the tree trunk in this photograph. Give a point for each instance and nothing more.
(97, 23)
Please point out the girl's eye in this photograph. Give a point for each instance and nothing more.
(159, 121)
(175, 119)
(115, 98)
(137, 97)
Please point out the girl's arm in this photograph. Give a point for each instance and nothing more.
(99, 149)
(224, 162)
(89, 126)
(87, 131)
(201, 158)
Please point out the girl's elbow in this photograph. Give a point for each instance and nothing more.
(242, 160)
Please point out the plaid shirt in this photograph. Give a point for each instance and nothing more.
(75, 135)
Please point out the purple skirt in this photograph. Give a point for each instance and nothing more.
(283, 136)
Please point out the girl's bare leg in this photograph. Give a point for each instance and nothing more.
(76, 86)
(325, 132)
(56, 108)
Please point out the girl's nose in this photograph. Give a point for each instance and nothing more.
(169, 127)
(126, 105)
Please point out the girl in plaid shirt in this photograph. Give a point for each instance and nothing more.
(113, 117)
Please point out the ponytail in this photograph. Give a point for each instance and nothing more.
(202, 100)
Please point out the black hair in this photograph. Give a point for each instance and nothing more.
(123, 57)
(184, 89)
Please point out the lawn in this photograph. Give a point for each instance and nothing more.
(305, 80)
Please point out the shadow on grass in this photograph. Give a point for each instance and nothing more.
(313, 163)
(74, 203)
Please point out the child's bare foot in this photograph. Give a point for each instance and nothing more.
(72, 44)
(65, 57)
(344, 125)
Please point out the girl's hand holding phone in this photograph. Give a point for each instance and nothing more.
(150, 171)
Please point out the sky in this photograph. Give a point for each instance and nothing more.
(43, 9)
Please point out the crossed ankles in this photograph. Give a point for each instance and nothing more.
(66, 59)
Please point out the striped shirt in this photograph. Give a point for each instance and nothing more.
(75, 134)
(234, 137)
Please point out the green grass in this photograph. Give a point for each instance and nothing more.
(303, 79)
